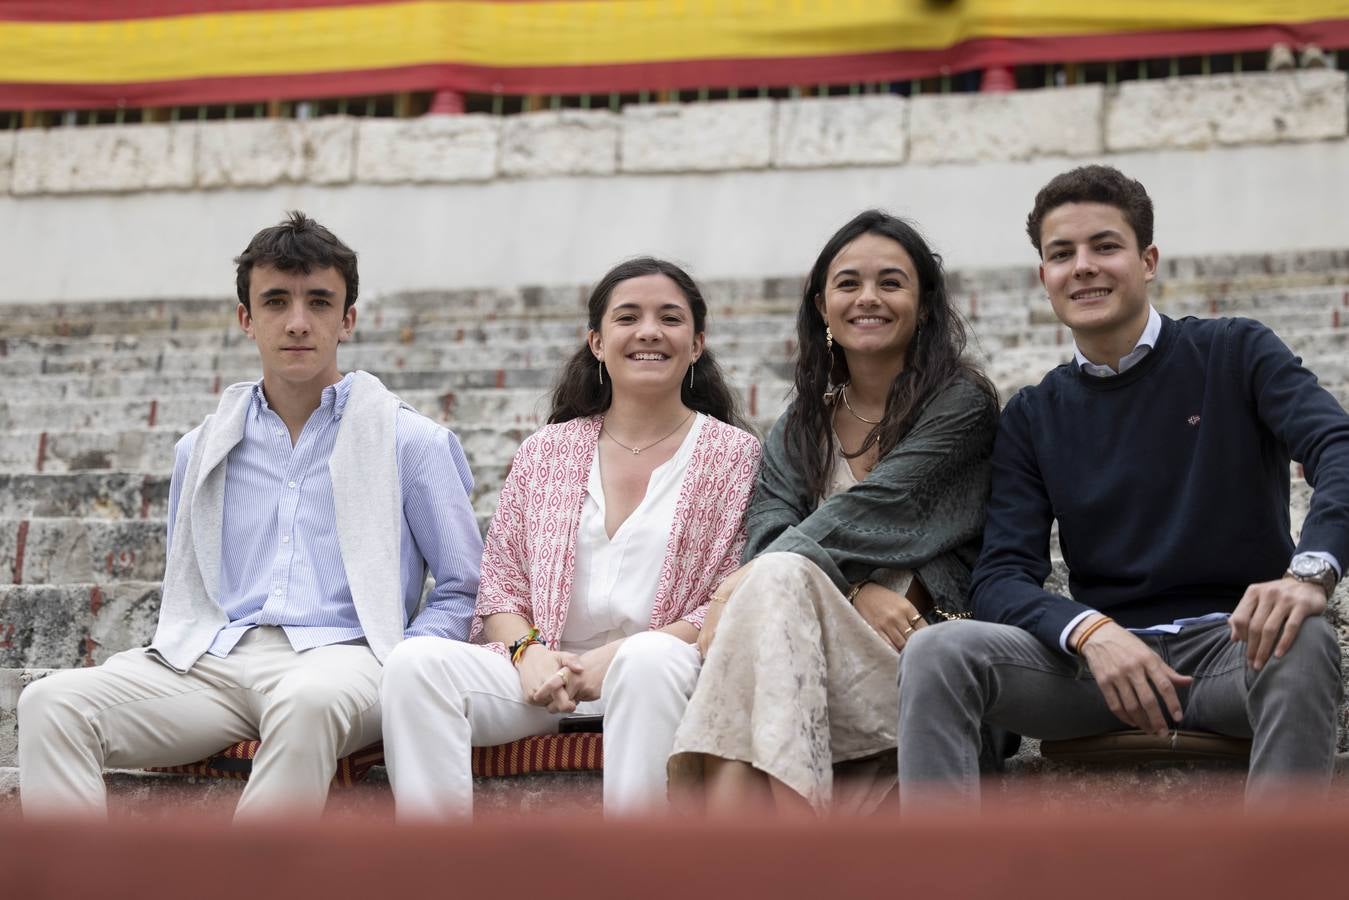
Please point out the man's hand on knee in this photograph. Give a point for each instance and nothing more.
(1271, 607)
(1134, 680)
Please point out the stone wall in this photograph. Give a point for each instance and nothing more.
(728, 136)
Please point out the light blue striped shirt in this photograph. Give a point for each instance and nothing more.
(279, 561)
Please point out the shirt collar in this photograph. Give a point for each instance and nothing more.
(1146, 341)
(334, 398)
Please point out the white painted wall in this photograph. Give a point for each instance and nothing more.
(1261, 163)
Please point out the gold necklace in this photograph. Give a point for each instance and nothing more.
(637, 450)
(844, 392)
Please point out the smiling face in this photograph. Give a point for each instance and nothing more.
(297, 322)
(1094, 272)
(646, 338)
(871, 297)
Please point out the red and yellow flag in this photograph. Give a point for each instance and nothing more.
(90, 53)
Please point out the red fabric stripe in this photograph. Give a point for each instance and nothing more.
(745, 74)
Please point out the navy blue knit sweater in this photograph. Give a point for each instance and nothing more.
(1169, 482)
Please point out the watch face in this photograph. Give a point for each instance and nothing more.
(1309, 566)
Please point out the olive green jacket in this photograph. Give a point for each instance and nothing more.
(920, 508)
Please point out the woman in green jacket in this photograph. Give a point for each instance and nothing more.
(865, 522)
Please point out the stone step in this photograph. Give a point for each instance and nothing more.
(61, 626)
(149, 796)
(470, 407)
(60, 551)
(84, 495)
(123, 450)
(989, 314)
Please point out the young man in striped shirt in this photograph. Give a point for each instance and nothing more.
(304, 516)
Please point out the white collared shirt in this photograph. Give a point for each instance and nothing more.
(614, 587)
(1146, 341)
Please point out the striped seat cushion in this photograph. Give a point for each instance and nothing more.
(581, 752)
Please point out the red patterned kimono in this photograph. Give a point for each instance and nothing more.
(529, 561)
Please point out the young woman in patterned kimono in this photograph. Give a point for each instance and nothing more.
(616, 522)
(865, 522)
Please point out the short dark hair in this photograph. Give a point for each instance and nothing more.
(1094, 184)
(297, 244)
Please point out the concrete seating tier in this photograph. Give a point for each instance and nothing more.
(95, 395)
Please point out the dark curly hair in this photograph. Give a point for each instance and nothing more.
(933, 359)
(1094, 184)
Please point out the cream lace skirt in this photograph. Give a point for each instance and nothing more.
(794, 683)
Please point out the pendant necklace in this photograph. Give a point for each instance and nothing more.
(637, 450)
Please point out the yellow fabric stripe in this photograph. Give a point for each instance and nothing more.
(574, 32)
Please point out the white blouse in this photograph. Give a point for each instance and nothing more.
(615, 584)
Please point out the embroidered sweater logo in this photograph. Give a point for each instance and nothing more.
(1193, 420)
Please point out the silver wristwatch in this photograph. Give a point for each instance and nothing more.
(1308, 567)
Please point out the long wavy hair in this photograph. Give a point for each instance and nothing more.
(934, 358)
(579, 392)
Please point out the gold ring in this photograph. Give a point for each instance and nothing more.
(907, 631)
(917, 617)
(562, 674)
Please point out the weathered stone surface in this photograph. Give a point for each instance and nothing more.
(1262, 107)
(64, 551)
(841, 131)
(104, 495)
(259, 152)
(697, 137)
(560, 142)
(105, 158)
(964, 128)
(249, 153)
(429, 149)
(71, 625)
(329, 149)
(7, 141)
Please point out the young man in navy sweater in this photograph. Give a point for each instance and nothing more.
(1163, 451)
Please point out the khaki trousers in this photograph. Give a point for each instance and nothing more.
(309, 709)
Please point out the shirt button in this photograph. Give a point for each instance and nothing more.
(285, 539)
(290, 484)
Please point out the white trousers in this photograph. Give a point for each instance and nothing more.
(309, 709)
(441, 698)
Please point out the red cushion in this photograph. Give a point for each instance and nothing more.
(583, 752)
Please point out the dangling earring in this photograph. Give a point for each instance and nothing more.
(691, 365)
(600, 363)
(829, 339)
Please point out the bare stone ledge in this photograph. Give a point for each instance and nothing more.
(261, 152)
(560, 142)
(841, 131)
(7, 142)
(697, 137)
(429, 149)
(1018, 125)
(1216, 110)
(105, 159)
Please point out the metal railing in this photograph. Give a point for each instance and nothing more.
(407, 105)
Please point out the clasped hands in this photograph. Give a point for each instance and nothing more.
(1137, 684)
(558, 680)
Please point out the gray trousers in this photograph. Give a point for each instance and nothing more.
(955, 675)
